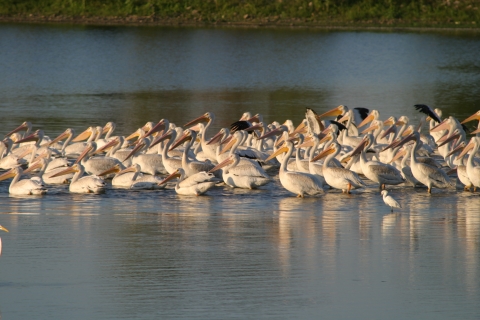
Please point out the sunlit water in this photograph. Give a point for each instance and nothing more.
(234, 253)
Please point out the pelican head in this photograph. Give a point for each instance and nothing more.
(206, 117)
(85, 134)
(24, 126)
(475, 116)
(176, 174)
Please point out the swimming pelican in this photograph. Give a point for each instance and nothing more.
(299, 183)
(98, 164)
(6, 230)
(389, 201)
(241, 176)
(190, 167)
(196, 184)
(22, 187)
(150, 163)
(80, 184)
(170, 163)
(132, 178)
(208, 149)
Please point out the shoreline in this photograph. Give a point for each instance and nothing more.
(139, 21)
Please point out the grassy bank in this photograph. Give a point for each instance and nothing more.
(395, 13)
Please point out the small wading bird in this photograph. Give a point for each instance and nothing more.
(389, 201)
(6, 230)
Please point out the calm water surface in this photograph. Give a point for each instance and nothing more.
(234, 253)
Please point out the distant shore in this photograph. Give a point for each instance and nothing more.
(134, 20)
(324, 14)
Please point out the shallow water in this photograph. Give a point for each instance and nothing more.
(234, 253)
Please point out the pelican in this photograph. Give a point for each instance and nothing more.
(132, 178)
(26, 125)
(190, 167)
(45, 177)
(339, 178)
(405, 170)
(426, 174)
(241, 176)
(299, 183)
(95, 165)
(8, 160)
(359, 114)
(208, 149)
(473, 171)
(196, 184)
(80, 184)
(389, 201)
(22, 187)
(376, 171)
(150, 163)
(6, 230)
(170, 163)
(72, 148)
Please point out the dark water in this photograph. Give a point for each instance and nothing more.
(234, 253)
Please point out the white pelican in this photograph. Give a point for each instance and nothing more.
(389, 201)
(150, 163)
(241, 176)
(170, 163)
(299, 183)
(338, 178)
(6, 230)
(72, 148)
(208, 149)
(190, 167)
(80, 184)
(377, 171)
(26, 125)
(461, 169)
(357, 115)
(22, 187)
(8, 160)
(98, 164)
(132, 178)
(426, 174)
(196, 184)
(404, 167)
(108, 131)
(473, 171)
(45, 177)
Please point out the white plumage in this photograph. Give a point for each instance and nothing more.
(389, 201)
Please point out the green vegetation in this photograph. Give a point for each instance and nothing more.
(411, 13)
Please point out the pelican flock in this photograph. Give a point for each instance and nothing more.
(341, 150)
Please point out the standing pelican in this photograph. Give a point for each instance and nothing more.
(339, 178)
(79, 184)
(22, 187)
(377, 171)
(473, 171)
(6, 230)
(389, 201)
(196, 184)
(426, 174)
(299, 183)
(241, 176)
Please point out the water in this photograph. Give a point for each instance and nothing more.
(234, 253)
